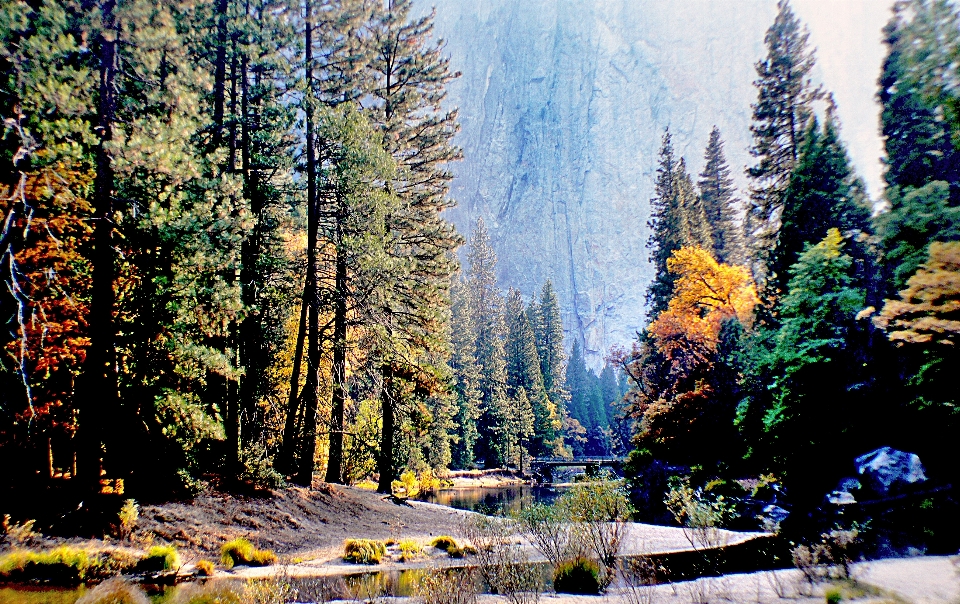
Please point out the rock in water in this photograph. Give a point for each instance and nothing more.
(562, 106)
(887, 468)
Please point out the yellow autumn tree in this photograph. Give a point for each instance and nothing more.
(684, 400)
(706, 293)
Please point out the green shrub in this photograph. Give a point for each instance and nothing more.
(833, 595)
(240, 552)
(444, 542)
(206, 568)
(577, 577)
(160, 558)
(115, 591)
(363, 551)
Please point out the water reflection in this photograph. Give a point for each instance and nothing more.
(495, 500)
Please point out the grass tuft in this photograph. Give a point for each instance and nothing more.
(364, 551)
(240, 552)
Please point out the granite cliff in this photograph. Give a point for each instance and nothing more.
(562, 105)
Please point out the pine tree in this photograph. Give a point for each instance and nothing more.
(548, 330)
(780, 115)
(486, 313)
(720, 202)
(695, 229)
(915, 219)
(463, 341)
(823, 194)
(523, 372)
(916, 137)
(665, 228)
(408, 80)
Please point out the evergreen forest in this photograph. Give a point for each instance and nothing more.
(228, 263)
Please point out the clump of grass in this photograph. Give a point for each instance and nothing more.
(444, 542)
(160, 558)
(469, 550)
(455, 552)
(206, 568)
(63, 566)
(363, 551)
(240, 552)
(577, 577)
(833, 595)
(390, 542)
(115, 591)
(409, 549)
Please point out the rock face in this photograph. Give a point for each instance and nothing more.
(562, 105)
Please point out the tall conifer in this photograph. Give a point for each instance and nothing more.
(720, 202)
(784, 98)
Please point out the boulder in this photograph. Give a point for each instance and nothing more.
(841, 498)
(887, 469)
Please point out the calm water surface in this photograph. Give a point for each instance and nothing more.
(495, 500)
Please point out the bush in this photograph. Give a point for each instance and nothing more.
(577, 577)
(363, 551)
(408, 487)
(600, 510)
(502, 565)
(17, 533)
(115, 591)
(160, 558)
(240, 552)
(127, 518)
(549, 529)
(206, 568)
(258, 468)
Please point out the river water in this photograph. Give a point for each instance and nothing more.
(495, 500)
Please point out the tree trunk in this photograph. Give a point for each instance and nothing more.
(288, 448)
(99, 405)
(388, 428)
(250, 329)
(308, 449)
(339, 369)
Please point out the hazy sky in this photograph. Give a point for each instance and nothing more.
(847, 36)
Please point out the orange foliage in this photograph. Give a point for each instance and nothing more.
(50, 283)
(928, 310)
(706, 294)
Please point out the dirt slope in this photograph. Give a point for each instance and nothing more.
(294, 522)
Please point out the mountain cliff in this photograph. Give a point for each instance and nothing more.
(562, 105)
